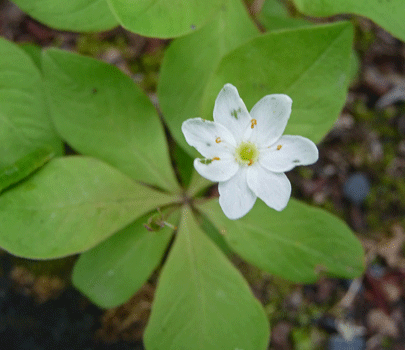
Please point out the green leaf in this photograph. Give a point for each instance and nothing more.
(24, 121)
(354, 66)
(72, 15)
(275, 16)
(310, 64)
(389, 14)
(69, 206)
(33, 51)
(190, 61)
(202, 301)
(198, 184)
(212, 232)
(100, 112)
(183, 163)
(110, 273)
(25, 166)
(297, 243)
(165, 18)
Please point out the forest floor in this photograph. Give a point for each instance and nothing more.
(360, 177)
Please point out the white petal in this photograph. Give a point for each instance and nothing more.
(288, 152)
(235, 197)
(271, 113)
(274, 189)
(217, 170)
(209, 138)
(231, 112)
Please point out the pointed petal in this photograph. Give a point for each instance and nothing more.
(235, 197)
(288, 152)
(209, 138)
(274, 189)
(216, 170)
(271, 114)
(231, 112)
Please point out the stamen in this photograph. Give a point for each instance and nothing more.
(246, 153)
(253, 123)
(216, 158)
(279, 147)
(218, 140)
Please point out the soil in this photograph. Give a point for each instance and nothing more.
(359, 177)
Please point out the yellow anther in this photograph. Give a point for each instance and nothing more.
(216, 158)
(250, 162)
(218, 140)
(253, 123)
(279, 147)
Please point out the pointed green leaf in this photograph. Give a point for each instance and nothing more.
(310, 64)
(110, 273)
(33, 51)
(100, 112)
(25, 166)
(212, 232)
(24, 121)
(69, 206)
(183, 163)
(274, 15)
(72, 15)
(190, 60)
(389, 14)
(165, 18)
(202, 301)
(197, 184)
(297, 243)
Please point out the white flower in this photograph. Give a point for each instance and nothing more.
(246, 153)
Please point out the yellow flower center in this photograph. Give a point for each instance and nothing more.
(246, 153)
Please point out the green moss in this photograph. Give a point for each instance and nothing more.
(305, 172)
(149, 65)
(94, 45)
(361, 112)
(363, 38)
(90, 45)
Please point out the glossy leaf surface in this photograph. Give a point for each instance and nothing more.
(389, 14)
(274, 15)
(165, 18)
(69, 206)
(298, 243)
(72, 15)
(25, 124)
(100, 112)
(110, 273)
(24, 167)
(309, 64)
(202, 301)
(190, 61)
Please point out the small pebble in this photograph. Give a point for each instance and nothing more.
(327, 323)
(337, 342)
(377, 271)
(356, 188)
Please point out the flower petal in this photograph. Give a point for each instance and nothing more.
(235, 197)
(209, 138)
(288, 152)
(216, 170)
(274, 189)
(231, 112)
(271, 114)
